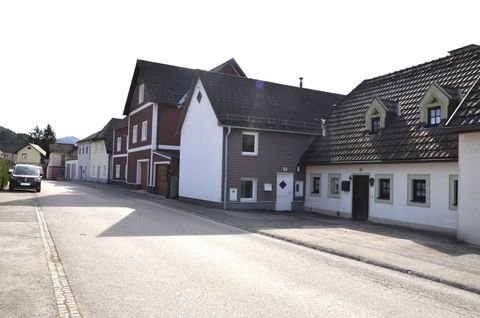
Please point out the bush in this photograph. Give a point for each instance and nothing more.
(3, 174)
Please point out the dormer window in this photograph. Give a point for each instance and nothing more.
(434, 116)
(437, 104)
(375, 125)
(378, 114)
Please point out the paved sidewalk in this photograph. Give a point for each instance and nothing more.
(25, 285)
(425, 254)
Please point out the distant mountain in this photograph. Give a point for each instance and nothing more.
(9, 137)
(67, 140)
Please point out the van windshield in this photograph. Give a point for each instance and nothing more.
(27, 171)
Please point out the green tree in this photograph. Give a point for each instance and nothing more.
(49, 137)
(3, 173)
(35, 136)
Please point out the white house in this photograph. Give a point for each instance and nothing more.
(466, 121)
(241, 140)
(95, 154)
(387, 156)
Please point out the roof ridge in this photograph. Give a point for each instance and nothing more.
(269, 82)
(405, 70)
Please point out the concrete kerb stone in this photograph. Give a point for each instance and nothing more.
(66, 304)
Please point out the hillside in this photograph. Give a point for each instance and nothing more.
(68, 140)
(9, 137)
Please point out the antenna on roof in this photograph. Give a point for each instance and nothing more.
(301, 81)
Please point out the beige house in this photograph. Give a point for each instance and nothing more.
(30, 154)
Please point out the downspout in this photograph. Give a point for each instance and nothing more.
(225, 166)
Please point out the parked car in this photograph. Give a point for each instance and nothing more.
(26, 177)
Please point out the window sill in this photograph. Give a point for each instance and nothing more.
(384, 200)
(249, 154)
(314, 194)
(419, 204)
(333, 196)
(247, 200)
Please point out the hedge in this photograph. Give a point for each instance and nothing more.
(3, 174)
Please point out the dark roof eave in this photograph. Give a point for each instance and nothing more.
(271, 130)
(331, 163)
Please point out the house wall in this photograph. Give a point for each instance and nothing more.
(133, 158)
(84, 160)
(137, 119)
(121, 132)
(55, 169)
(277, 152)
(122, 161)
(201, 144)
(32, 156)
(99, 158)
(71, 170)
(469, 185)
(168, 118)
(438, 216)
(135, 104)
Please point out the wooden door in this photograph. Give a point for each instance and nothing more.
(161, 182)
(360, 198)
(143, 175)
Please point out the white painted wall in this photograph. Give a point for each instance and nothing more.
(84, 160)
(99, 158)
(469, 188)
(201, 145)
(438, 216)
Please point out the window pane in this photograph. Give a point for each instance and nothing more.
(434, 116)
(384, 189)
(316, 185)
(246, 190)
(419, 190)
(455, 192)
(248, 143)
(334, 185)
(375, 125)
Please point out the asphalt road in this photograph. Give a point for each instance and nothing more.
(131, 257)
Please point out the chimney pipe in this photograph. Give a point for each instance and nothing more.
(301, 82)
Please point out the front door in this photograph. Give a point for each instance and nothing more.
(161, 182)
(143, 175)
(360, 198)
(284, 191)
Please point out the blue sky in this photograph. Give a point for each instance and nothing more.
(69, 63)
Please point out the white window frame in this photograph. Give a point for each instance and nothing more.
(410, 179)
(451, 189)
(332, 194)
(141, 93)
(135, 134)
(144, 130)
(254, 190)
(377, 188)
(119, 144)
(92, 173)
(117, 171)
(255, 151)
(312, 176)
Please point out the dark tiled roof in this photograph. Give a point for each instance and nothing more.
(250, 103)
(105, 134)
(65, 148)
(11, 148)
(467, 115)
(404, 137)
(166, 83)
(232, 64)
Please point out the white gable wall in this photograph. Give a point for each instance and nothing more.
(201, 151)
(99, 158)
(469, 188)
(438, 216)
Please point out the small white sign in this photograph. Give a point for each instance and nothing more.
(267, 187)
(285, 169)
